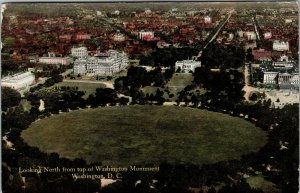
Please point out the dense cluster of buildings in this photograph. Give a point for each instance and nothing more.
(103, 64)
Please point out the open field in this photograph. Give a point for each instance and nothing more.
(121, 136)
(180, 80)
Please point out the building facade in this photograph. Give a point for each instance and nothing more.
(281, 78)
(18, 81)
(187, 65)
(270, 77)
(146, 35)
(79, 52)
(103, 64)
(56, 60)
(280, 45)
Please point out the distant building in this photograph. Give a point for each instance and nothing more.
(65, 37)
(51, 59)
(283, 63)
(267, 35)
(261, 54)
(79, 52)
(280, 45)
(187, 65)
(118, 37)
(82, 37)
(18, 81)
(103, 64)
(250, 35)
(146, 35)
(148, 11)
(207, 20)
(288, 21)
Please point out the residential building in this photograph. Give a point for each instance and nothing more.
(18, 81)
(187, 65)
(102, 64)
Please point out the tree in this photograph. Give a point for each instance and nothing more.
(10, 98)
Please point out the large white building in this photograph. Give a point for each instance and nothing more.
(286, 78)
(18, 81)
(79, 52)
(103, 64)
(280, 45)
(270, 77)
(281, 78)
(187, 65)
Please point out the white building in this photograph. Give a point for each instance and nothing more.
(270, 77)
(286, 78)
(281, 78)
(18, 81)
(207, 20)
(250, 35)
(280, 45)
(187, 65)
(146, 35)
(79, 52)
(267, 35)
(103, 64)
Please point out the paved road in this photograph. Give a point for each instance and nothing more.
(217, 32)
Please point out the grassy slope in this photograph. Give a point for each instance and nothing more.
(145, 134)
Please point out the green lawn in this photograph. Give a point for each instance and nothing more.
(121, 136)
(88, 88)
(180, 80)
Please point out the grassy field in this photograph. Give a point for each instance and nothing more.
(121, 136)
(180, 80)
(88, 88)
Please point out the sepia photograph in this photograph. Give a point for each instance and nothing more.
(150, 97)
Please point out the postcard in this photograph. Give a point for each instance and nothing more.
(148, 96)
